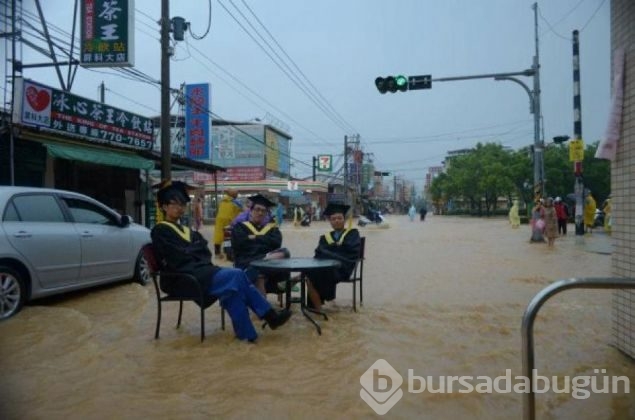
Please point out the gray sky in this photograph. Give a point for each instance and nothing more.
(341, 46)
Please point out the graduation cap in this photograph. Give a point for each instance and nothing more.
(169, 190)
(261, 200)
(333, 208)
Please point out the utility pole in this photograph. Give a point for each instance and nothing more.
(539, 145)
(578, 187)
(345, 169)
(314, 167)
(102, 92)
(166, 144)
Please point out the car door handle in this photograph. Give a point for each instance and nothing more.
(87, 235)
(22, 234)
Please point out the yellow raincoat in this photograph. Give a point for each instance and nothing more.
(227, 211)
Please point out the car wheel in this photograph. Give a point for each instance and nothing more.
(12, 292)
(142, 270)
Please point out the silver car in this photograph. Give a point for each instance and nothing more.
(54, 241)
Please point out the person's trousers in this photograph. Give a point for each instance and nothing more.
(235, 293)
(562, 226)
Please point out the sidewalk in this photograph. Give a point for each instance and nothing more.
(598, 242)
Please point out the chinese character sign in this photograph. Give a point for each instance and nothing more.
(197, 112)
(61, 112)
(576, 150)
(325, 163)
(107, 33)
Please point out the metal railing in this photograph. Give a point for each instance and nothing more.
(529, 398)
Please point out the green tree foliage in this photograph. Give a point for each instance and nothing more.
(476, 181)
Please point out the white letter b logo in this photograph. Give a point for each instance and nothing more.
(381, 387)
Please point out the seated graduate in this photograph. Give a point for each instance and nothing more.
(181, 249)
(258, 238)
(340, 244)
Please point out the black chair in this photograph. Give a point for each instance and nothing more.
(177, 287)
(358, 275)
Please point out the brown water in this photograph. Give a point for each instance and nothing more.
(443, 297)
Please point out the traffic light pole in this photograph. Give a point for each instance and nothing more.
(534, 108)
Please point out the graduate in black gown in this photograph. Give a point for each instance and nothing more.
(256, 239)
(341, 244)
(180, 249)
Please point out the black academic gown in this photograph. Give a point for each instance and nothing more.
(268, 238)
(176, 253)
(346, 250)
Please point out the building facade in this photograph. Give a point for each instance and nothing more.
(623, 179)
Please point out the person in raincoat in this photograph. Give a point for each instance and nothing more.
(412, 212)
(228, 209)
(514, 218)
(589, 212)
(607, 215)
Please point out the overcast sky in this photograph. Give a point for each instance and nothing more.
(341, 46)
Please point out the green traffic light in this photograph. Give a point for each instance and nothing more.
(391, 84)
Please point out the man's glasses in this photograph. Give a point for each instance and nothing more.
(176, 204)
(259, 209)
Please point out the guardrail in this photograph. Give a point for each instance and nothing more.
(529, 398)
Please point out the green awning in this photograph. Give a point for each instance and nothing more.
(99, 156)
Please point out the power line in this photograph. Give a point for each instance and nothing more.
(293, 78)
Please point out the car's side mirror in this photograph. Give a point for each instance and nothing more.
(125, 220)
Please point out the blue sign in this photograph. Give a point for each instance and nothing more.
(290, 193)
(197, 121)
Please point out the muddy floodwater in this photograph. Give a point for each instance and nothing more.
(444, 297)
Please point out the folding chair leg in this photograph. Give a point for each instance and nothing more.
(354, 296)
(156, 331)
(202, 324)
(178, 322)
(361, 293)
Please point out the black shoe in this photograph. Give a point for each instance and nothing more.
(277, 318)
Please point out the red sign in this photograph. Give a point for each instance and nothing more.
(239, 173)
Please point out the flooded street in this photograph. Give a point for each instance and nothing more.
(444, 297)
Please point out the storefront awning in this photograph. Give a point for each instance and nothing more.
(99, 156)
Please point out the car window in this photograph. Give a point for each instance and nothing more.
(34, 208)
(11, 214)
(86, 212)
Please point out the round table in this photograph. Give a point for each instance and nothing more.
(305, 266)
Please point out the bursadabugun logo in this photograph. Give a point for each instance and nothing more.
(381, 387)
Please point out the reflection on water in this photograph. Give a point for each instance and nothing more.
(444, 297)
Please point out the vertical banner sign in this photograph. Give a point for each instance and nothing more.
(272, 151)
(107, 33)
(197, 112)
(325, 163)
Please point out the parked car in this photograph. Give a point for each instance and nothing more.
(54, 241)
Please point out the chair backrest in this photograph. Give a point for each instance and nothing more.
(359, 266)
(151, 258)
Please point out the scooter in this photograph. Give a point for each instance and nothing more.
(373, 216)
(598, 219)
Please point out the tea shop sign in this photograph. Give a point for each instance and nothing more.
(54, 110)
(107, 33)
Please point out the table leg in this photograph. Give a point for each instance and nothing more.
(306, 310)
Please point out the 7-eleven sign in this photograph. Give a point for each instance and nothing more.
(325, 163)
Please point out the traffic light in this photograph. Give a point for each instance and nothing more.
(392, 84)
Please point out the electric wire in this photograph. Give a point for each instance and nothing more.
(289, 75)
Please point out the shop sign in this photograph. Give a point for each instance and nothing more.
(325, 163)
(107, 33)
(70, 115)
(197, 112)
